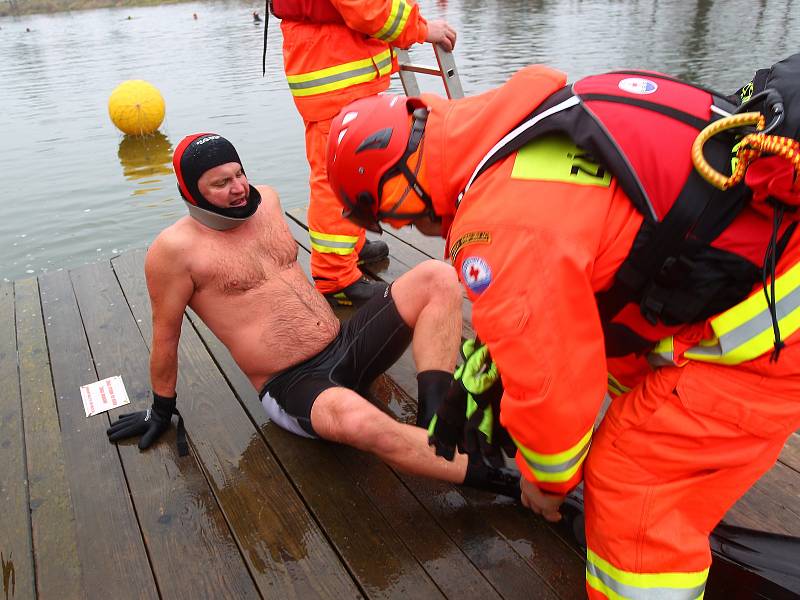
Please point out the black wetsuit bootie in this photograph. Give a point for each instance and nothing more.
(504, 482)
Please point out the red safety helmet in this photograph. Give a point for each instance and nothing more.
(369, 143)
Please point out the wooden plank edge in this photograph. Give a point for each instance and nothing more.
(16, 541)
(58, 570)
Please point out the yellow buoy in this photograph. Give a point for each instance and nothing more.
(136, 107)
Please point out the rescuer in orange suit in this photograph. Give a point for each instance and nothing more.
(535, 239)
(334, 52)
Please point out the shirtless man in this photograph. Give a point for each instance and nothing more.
(234, 262)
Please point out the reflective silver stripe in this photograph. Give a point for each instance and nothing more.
(331, 243)
(302, 85)
(650, 593)
(751, 328)
(390, 34)
(655, 360)
(561, 467)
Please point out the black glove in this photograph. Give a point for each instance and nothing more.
(447, 425)
(469, 417)
(446, 429)
(483, 435)
(150, 424)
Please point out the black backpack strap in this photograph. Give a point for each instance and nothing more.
(656, 253)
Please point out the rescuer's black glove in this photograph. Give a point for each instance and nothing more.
(469, 418)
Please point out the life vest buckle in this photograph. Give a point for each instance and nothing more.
(674, 270)
(650, 306)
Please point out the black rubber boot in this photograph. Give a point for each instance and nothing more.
(372, 252)
(357, 293)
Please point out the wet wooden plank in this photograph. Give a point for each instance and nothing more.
(58, 573)
(365, 538)
(791, 453)
(110, 546)
(178, 514)
(772, 504)
(515, 552)
(378, 559)
(16, 554)
(433, 246)
(286, 551)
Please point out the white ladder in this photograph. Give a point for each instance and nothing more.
(446, 70)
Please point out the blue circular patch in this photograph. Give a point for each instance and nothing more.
(476, 274)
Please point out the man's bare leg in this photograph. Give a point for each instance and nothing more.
(341, 415)
(428, 298)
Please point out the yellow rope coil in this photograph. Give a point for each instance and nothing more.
(709, 173)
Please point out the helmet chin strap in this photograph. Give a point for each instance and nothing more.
(415, 140)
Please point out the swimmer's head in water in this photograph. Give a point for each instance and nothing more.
(196, 154)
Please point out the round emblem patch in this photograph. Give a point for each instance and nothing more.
(637, 85)
(476, 274)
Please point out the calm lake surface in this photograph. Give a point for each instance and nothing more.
(75, 190)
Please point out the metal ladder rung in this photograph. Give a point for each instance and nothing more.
(447, 71)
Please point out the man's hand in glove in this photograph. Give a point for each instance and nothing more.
(447, 425)
(484, 390)
(149, 424)
(476, 374)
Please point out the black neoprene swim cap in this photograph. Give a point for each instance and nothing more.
(196, 154)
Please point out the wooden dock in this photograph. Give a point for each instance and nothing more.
(253, 511)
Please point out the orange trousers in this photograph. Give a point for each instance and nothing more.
(335, 241)
(669, 459)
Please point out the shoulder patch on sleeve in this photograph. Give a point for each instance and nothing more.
(473, 237)
(476, 274)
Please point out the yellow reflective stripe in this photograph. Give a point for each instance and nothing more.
(616, 583)
(663, 353)
(744, 332)
(340, 76)
(333, 237)
(560, 467)
(329, 243)
(330, 250)
(395, 23)
(755, 304)
(615, 387)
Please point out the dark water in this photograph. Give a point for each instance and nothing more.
(75, 190)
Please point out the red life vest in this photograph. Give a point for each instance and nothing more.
(313, 11)
(699, 250)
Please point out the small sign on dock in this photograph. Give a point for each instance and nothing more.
(103, 395)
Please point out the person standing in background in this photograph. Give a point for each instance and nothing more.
(335, 52)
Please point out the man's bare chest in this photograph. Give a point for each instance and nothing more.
(237, 264)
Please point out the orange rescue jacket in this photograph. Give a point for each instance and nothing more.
(533, 246)
(328, 65)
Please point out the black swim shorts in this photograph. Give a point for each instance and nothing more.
(368, 344)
